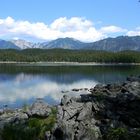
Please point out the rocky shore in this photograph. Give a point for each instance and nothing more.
(109, 112)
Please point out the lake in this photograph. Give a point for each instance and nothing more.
(20, 85)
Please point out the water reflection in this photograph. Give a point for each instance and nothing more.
(25, 87)
(22, 85)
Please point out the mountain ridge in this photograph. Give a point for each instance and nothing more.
(65, 43)
(119, 43)
(7, 45)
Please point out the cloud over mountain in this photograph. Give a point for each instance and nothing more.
(134, 32)
(112, 29)
(74, 27)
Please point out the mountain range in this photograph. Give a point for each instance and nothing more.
(8, 44)
(109, 44)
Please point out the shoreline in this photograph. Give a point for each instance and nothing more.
(92, 116)
(68, 63)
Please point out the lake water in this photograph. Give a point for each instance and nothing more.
(21, 85)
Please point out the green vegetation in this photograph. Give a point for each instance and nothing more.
(60, 55)
(25, 107)
(32, 129)
(123, 134)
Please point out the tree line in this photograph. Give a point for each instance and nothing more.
(64, 55)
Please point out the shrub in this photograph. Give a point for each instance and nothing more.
(123, 134)
(32, 129)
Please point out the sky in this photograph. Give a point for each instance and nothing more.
(84, 20)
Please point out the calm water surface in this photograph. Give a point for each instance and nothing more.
(21, 85)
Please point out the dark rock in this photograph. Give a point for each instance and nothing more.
(75, 89)
(85, 88)
(133, 78)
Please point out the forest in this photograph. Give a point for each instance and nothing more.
(64, 55)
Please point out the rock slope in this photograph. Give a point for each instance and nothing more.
(111, 111)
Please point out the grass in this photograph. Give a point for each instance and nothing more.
(32, 129)
(123, 134)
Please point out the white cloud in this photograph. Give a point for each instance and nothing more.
(26, 87)
(135, 32)
(112, 29)
(75, 27)
(70, 25)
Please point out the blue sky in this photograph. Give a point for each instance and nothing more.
(106, 17)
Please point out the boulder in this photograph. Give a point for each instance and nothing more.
(39, 109)
(14, 117)
(75, 121)
(133, 78)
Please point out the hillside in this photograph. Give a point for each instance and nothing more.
(120, 43)
(117, 44)
(7, 45)
(65, 43)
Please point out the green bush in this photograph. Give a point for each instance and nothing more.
(123, 134)
(19, 132)
(32, 129)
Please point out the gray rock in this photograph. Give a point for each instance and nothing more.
(13, 117)
(86, 112)
(90, 116)
(74, 121)
(93, 115)
(1, 111)
(65, 100)
(39, 109)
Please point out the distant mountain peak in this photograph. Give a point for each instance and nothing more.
(7, 45)
(65, 43)
(119, 43)
(23, 44)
